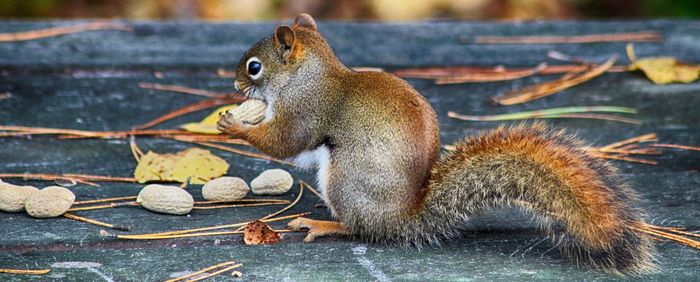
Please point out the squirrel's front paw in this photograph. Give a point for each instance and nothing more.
(317, 228)
(230, 126)
(247, 114)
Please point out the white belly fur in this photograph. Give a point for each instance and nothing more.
(321, 158)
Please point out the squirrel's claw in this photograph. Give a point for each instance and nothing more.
(317, 228)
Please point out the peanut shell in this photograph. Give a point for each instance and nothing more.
(49, 202)
(272, 182)
(165, 199)
(249, 112)
(225, 188)
(12, 197)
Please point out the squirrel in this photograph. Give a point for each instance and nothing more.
(375, 141)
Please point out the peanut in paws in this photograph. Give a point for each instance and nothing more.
(250, 112)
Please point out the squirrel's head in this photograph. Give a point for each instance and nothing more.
(293, 54)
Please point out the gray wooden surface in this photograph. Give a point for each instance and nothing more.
(90, 81)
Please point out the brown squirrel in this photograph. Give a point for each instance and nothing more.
(375, 142)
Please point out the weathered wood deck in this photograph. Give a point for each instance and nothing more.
(90, 81)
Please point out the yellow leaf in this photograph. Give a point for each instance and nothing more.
(208, 124)
(665, 70)
(197, 164)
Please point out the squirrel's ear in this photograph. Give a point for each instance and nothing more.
(305, 20)
(285, 37)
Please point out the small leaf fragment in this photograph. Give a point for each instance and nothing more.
(665, 70)
(208, 124)
(197, 164)
(257, 232)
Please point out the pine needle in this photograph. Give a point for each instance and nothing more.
(237, 206)
(622, 150)
(225, 73)
(446, 72)
(243, 201)
(208, 138)
(25, 271)
(104, 200)
(596, 116)
(490, 76)
(175, 134)
(96, 222)
(540, 90)
(670, 236)
(313, 190)
(674, 230)
(101, 207)
(220, 265)
(182, 89)
(215, 273)
(674, 146)
(176, 236)
(291, 205)
(187, 235)
(241, 152)
(193, 230)
(642, 36)
(74, 133)
(135, 149)
(301, 192)
(125, 134)
(650, 137)
(61, 30)
(626, 159)
(191, 108)
(80, 178)
(565, 112)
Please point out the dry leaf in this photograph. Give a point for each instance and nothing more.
(208, 124)
(665, 70)
(197, 164)
(257, 232)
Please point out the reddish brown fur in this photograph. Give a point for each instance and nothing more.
(552, 175)
(581, 181)
(384, 181)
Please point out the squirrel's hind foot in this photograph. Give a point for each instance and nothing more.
(318, 228)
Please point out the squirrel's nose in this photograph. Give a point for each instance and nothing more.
(237, 85)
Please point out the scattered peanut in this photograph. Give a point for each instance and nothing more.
(12, 197)
(225, 189)
(272, 182)
(165, 199)
(49, 202)
(249, 112)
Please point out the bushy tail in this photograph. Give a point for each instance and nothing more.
(551, 174)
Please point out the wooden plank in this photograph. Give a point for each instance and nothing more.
(90, 81)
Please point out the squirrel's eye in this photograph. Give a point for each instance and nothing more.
(254, 67)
